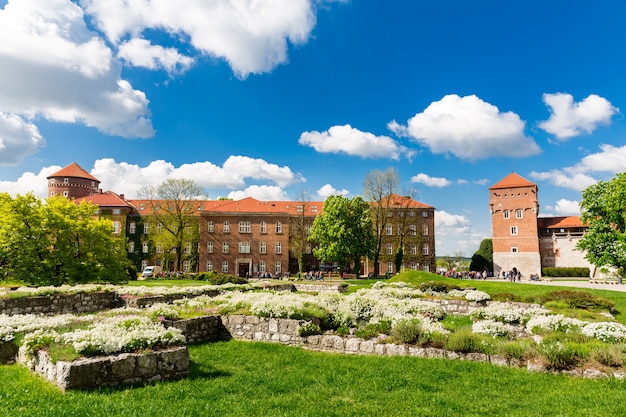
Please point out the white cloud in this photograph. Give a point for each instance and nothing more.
(469, 128)
(568, 119)
(128, 179)
(351, 141)
(566, 208)
(141, 53)
(18, 139)
(430, 181)
(455, 234)
(253, 37)
(30, 183)
(258, 169)
(260, 192)
(564, 178)
(327, 190)
(53, 66)
(482, 181)
(610, 159)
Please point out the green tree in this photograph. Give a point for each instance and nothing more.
(482, 260)
(343, 232)
(603, 209)
(173, 218)
(58, 242)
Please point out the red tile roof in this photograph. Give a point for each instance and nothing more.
(252, 205)
(512, 180)
(407, 202)
(562, 222)
(106, 199)
(75, 171)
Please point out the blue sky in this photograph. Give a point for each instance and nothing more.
(269, 99)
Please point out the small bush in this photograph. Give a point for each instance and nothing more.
(437, 286)
(406, 331)
(580, 299)
(608, 355)
(506, 297)
(515, 349)
(372, 330)
(565, 272)
(309, 329)
(463, 341)
(558, 355)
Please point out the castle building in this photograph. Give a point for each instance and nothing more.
(246, 237)
(523, 240)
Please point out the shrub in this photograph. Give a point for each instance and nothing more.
(580, 299)
(557, 355)
(608, 355)
(309, 329)
(506, 297)
(515, 349)
(463, 341)
(406, 331)
(565, 272)
(374, 329)
(437, 286)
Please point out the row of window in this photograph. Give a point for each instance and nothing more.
(246, 227)
(412, 249)
(519, 213)
(244, 247)
(412, 230)
(261, 267)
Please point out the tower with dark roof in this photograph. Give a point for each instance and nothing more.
(72, 182)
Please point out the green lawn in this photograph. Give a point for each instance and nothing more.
(261, 379)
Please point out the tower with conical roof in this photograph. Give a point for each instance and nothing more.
(514, 208)
(72, 182)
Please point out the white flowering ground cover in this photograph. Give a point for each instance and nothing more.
(399, 306)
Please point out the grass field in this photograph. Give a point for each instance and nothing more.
(260, 379)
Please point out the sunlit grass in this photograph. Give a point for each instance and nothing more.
(262, 379)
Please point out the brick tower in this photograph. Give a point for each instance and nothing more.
(514, 209)
(72, 182)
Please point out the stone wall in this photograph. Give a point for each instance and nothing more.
(107, 371)
(61, 303)
(8, 352)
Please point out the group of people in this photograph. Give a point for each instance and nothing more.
(513, 275)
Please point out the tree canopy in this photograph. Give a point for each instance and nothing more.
(344, 232)
(603, 209)
(57, 242)
(482, 260)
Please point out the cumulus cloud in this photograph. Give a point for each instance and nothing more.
(129, 179)
(18, 139)
(30, 182)
(351, 141)
(610, 160)
(565, 207)
(568, 119)
(260, 192)
(53, 66)
(429, 181)
(253, 37)
(468, 128)
(327, 190)
(141, 53)
(455, 234)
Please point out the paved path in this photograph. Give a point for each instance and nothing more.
(580, 284)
